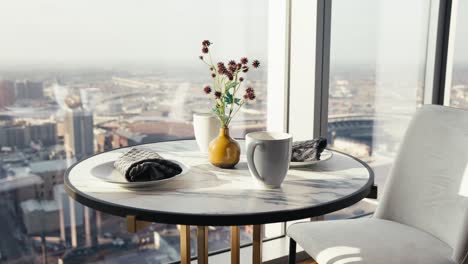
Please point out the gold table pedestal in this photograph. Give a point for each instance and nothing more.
(134, 225)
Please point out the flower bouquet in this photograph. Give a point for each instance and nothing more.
(227, 100)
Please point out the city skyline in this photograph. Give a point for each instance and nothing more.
(31, 168)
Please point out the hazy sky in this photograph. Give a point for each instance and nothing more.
(147, 31)
(389, 30)
(161, 31)
(461, 39)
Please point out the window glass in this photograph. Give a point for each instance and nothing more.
(378, 59)
(135, 69)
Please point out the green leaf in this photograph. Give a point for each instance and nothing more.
(228, 99)
(237, 101)
(215, 110)
(231, 85)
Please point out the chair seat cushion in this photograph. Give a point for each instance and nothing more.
(369, 240)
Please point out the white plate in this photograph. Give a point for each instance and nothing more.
(325, 155)
(106, 172)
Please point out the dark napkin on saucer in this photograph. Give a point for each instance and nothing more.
(308, 150)
(140, 165)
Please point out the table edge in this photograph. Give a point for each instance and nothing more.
(216, 219)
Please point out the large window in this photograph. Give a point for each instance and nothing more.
(82, 77)
(377, 72)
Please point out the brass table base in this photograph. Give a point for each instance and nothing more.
(134, 225)
(202, 244)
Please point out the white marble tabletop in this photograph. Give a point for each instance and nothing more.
(208, 195)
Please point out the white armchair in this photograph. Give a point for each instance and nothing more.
(423, 214)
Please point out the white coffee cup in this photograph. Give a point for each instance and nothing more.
(205, 128)
(268, 157)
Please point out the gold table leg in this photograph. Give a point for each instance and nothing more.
(202, 244)
(235, 245)
(134, 225)
(257, 244)
(184, 244)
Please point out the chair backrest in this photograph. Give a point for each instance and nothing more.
(428, 184)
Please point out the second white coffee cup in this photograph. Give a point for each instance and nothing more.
(268, 157)
(206, 128)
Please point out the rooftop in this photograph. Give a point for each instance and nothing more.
(50, 166)
(36, 205)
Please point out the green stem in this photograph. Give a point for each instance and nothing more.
(237, 110)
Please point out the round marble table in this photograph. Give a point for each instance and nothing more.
(209, 196)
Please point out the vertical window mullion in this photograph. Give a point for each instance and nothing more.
(278, 65)
(449, 24)
(322, 67)
(439, 51)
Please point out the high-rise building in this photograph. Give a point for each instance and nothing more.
(78, 129)
(29, 90)
(7, 93)
(71, 216)
(40, 216)
(21, 135)
(45, 133)
(13, 136)
(79, 225)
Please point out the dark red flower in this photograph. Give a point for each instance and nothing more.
(232, 68)
(206, 43)
(205, 50)
(217, 94)
(200, 57)
(244, 60)
(222, 70)
(229, 75)
(239, 66)
(241, 79)
(207, 89)
(245, 68)
(256, 64)
(232, 62)
(213, 75)
(249, 94)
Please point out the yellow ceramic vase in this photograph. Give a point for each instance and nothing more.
(223, 151)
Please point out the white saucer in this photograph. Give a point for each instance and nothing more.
(106, 172)
(325, 155)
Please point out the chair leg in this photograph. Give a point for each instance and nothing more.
(292, 251)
